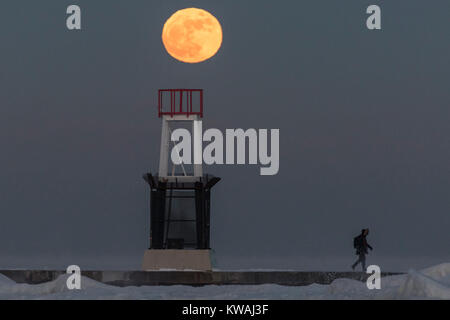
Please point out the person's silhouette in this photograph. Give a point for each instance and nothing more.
(361, 245)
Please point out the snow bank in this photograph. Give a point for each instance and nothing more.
(430, 283)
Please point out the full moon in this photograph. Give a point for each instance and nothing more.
(192, 35)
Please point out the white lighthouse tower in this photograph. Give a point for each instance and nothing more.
(179, 195)
(181, 111)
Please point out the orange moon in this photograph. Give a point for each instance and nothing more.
(192, 35)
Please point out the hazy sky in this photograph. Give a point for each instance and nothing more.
(363, 118)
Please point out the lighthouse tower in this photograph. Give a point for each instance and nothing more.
(180, 194)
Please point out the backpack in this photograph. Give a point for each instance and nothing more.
(357, 242)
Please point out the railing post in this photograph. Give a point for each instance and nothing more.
(190, 101)
(181, 100)
(159, 104)
(172, 103)
(201, 103)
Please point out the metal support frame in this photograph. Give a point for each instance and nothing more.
(162, 192)
(165, 146)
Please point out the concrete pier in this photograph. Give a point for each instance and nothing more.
(192, 278)
(155, 260)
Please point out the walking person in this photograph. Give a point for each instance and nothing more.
(361, 246)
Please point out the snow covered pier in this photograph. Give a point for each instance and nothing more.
(191, 278)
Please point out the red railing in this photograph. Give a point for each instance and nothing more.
(178, 108)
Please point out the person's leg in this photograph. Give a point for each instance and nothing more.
(356, 263)
(362, 258)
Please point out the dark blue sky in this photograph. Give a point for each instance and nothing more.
(363, 118)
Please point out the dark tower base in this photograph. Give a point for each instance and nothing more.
(179, 221)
